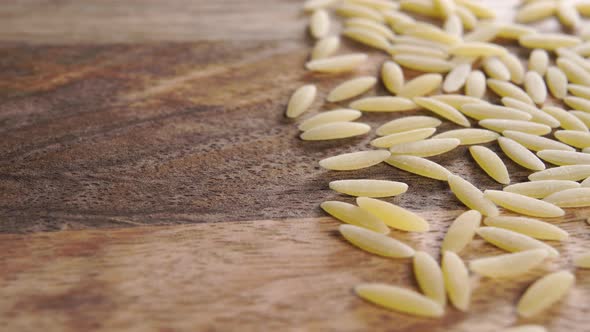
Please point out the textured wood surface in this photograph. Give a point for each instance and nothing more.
(118, 114)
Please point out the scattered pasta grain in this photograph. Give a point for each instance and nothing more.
(548, 41)
(335, 130)
(443, 110)
(393, 215)
(408, 123)
(355, 10)
(457, 101)
(325, 47)
(456, 78)
(489, 161)
(467, 18)
(483, 32)
(514, 66)
(523, 204)
(536, 143)
(578, 139)
(508, 265)
(570, 172)
(514, 30)
(421, 7)
(475, 85)
(539, 61)
(575, 197)
(544, 292)
(301, 100)
(566, 120)
(535, 87)
(538, 116)
(578, 103)
(496, 68)
(425, 148)
(507, 89)
(375, 243)
(469, 136)
(392, 76)
(583, 261)
(461, 231)
(354, 215)
(472, 197)
(567, 14)
(453, 25)
(369, 188)
(399, 299)
(536, 11)
(556, 82)
(351, 88)
(402, 137)
(429, 277)
(478, 49)
(563, 158)
(355, 160)
(420, 166)
(528, 226)
(489, 111)
(312, 5)
(500, 125)
(574, 72)
(512, 241)
(423, 63)
(579, 90)
(456, 280)
(337, 64)
(477, 8)
(383, 104)
(367, 37)
(319, 24)
(339, 115)
(378, 28)
(520, 154)
(541, 189)
(420, 86)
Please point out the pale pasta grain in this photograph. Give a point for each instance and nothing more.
(538, 116)
(523, 204)
(411, 49)
(489, 111)
(575, 197)
(483, 32)
(566, 120)
(570, 172)
(579, 90)
(354, 215)
(383, 104)
(586, 184)
(457, 101)
(520, 154)
(478, 49)
(399, 21)
(467, 18)
(575, 138)
(354, 10)
(312, 5)
(339, 115)
(489, 161)
(408, 123)
(583, 261)
(508, 265)
(534, 86)
(578, 103)
(393, 215)
(469, 136)
(402, 137)
(325, 47)
(563, 158)
(507, 89)
(541, 189)
(582, 49)
(544, 292)
(475, 86)
(556, 82)
(539, 61)
(443, 110)
(420, 166)
(392, 76)
(429, 277)
(301, 100)
(380, 5)
(456, 78)
(477, 8)
(421, 7)
(421, 86)
(472, 197)
(319, 24)
(376, 27)
(355, 160)
(528, 226)
(496, 68)
(536, 143)
(512, 241)
(453, 25)
(514, 30)
(399, 299)
(548, 41)
(574, 72)
(431, 32)
(425, 148)
(369, 188)
(335, 130)
(351, 88)
(366, 37)
(514, 66)
(573, 56)
(375, 243)
(500, 125)
(568, 14)
(423, 63)
(337, 64)
(583, 116)
(445, 8)
(456, 280)
(461, 231)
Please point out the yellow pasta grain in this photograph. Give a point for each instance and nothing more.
(472, 197)
(445, 8)
(489, 111)
(456, 78)
(539, 61)
(566, 53)
(468, 20)
(514, 30)
(392, 76)
(538, 116)
(411, 49)
(548, 41)
(399, 21)
(578, 103)
(536, 11)
(507, 89)
(478, 49)
(578, 139)
(514, 66)
(534, 86)
(475, 86)
(312, 5)
(402, 137)
(383, 104)
(541, 189)
(457, 101)
(393, 215)
(556, 82)
(544, 292)
(453, 25)
(461, 231)
(379, 5)
(366, 37)
(335, 130)
(369, 188)
(567, 14)
(325, 47)
(354, 10)
(301, 100)
(489, 161)
(523, 204)
(512, 241)
(426, 148)
(408, 123)
(337, 64)
(574, 72)
(420, 86)
(469, 136)
(496, 68)
(520, 154)
(508, 265)
(582, 49)
(562, 158)
(429, 277)
(339, 115)
(575, 197)
(583, 261)
(567, 120)
(420, 166)
(399, 299)
(319, 24)
(421, 7)
(483, 32)
(456, 280)
(583, 8)
(376, 27)
(351, 88)
(443, 110)
(500, 125)
(423, 63)
(536, 143)
(354, 215)
(570, 172)
(431, 32)
(355, 160)
(528, 226)
(477, 8)
(579, 90)
(375, 243)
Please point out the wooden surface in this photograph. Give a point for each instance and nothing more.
(116, 114)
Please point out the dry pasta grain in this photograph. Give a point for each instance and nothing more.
(523, 204)
(354, 10)
(443, 110)
(457, 101)
(337, 64)
(429, 277)
(445, 8)
(335, 130)
(536, 11)
(311, 5)
(583, 8)
(514, 30)
(512, 241)
(468, 20)
(574, 72)
(500, 125)
(507, 89)
(420, 166)
(354, 215)
(514, 66)
(375, 243)
(578, 103)
(475, 86)
(496, 68)
(425, 148)
(573, 56)
(582, 49)
(508, 265)
(399, 299)
(489, 111)
(369, 188)
(376, 27)
(520, 155)
(545, 292)
(398, 21)
(536, 143)
(556, 82)
(420, 86)
(453, 25)
(539, 61)
(456, 280)
(339, 115)
(528, 226)
(461, 231)
(563, 158)
(319, 24)
(456, 78)
(411, 49)
(392, 76)
(534, 86)
(383, 104)
(351, 88)
(489, 161)
(575, 197)
(578, 139)
(355, 160)
(472, 197)
(301, 100)
(402, 137)
(567, 14)
(469, 136)
(393, 215)
(422, 7)
(538, 116)
(567, 120)
(570, 172)
(583, 261)
(423, 63)
(478, 49)
(579, 90)
(367, 37)
(431, 32)
(541, 189)
(484, 32)
(408, 123)
(477, 8)
(548, 41)
(325, 47)
(379, 5)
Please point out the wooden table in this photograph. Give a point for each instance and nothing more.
(149, 180)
